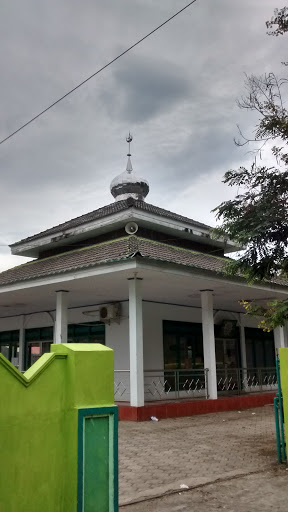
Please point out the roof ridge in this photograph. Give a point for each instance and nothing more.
(67, 221)
(176, 214)
(110, 209)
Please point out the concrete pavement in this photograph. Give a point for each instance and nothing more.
(158, 457)
(257, 492)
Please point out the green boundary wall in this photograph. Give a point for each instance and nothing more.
(39, 414)
(283, 356)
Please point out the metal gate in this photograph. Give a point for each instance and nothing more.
(279, 418)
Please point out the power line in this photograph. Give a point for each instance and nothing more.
(96, 73)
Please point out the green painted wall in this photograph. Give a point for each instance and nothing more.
(283, 355)
(38, 424)
(97, 483)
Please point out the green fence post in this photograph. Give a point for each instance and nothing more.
(278, 442)
(58, 443)
(282, 380)
(91, 390)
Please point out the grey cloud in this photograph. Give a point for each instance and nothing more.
(144, 88)
(176, 93)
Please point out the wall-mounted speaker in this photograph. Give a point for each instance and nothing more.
(131, 228)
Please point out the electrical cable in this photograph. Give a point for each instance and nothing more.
(96, 73)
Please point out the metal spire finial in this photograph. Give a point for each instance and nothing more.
(129, 140)
(128, 184)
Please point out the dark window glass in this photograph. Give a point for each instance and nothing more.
(270, 353)
(249, 353)
(259, 353)
(38, 340)
(9, 336)
(32, 334)
(9, 346)
(260, 349)
(92, 333)
(183, 346)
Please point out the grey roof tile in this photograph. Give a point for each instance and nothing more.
(121, 249)
(110, 209)
(116, 250)
(65, 262)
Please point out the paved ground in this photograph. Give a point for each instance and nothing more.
(158, 457)
(258, 492)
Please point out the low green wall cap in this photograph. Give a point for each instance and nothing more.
(30, 375)
(79, 347)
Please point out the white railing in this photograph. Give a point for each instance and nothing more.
(181, 384)
(164, 384)
(122, 385)
(246, 380)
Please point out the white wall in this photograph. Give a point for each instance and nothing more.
(117, 334)
(117, 338)
(31, 321)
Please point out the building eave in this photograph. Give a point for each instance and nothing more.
(181, 269)
(120, 251)
(70, 275)
(187, 229)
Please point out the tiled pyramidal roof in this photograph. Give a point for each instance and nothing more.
(111, 209)
(121, 249)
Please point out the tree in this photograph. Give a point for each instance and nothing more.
(280, 19)
(257, 219)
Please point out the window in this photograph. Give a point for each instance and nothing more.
(92, 333)
(39, 340)
(227, 345)
(260, 351)
(9, 346)
(183, 345)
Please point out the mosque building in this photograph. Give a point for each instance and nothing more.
(150, 284)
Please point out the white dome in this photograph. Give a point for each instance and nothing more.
(128, 184)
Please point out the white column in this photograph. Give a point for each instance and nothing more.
(243, 376)
(209, 341)
(21, 343)
(281, 336)
(136, 343)
(242, 343)
(61, 321)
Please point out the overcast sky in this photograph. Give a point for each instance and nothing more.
(176, 93)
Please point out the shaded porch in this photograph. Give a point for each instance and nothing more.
(150, 294)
